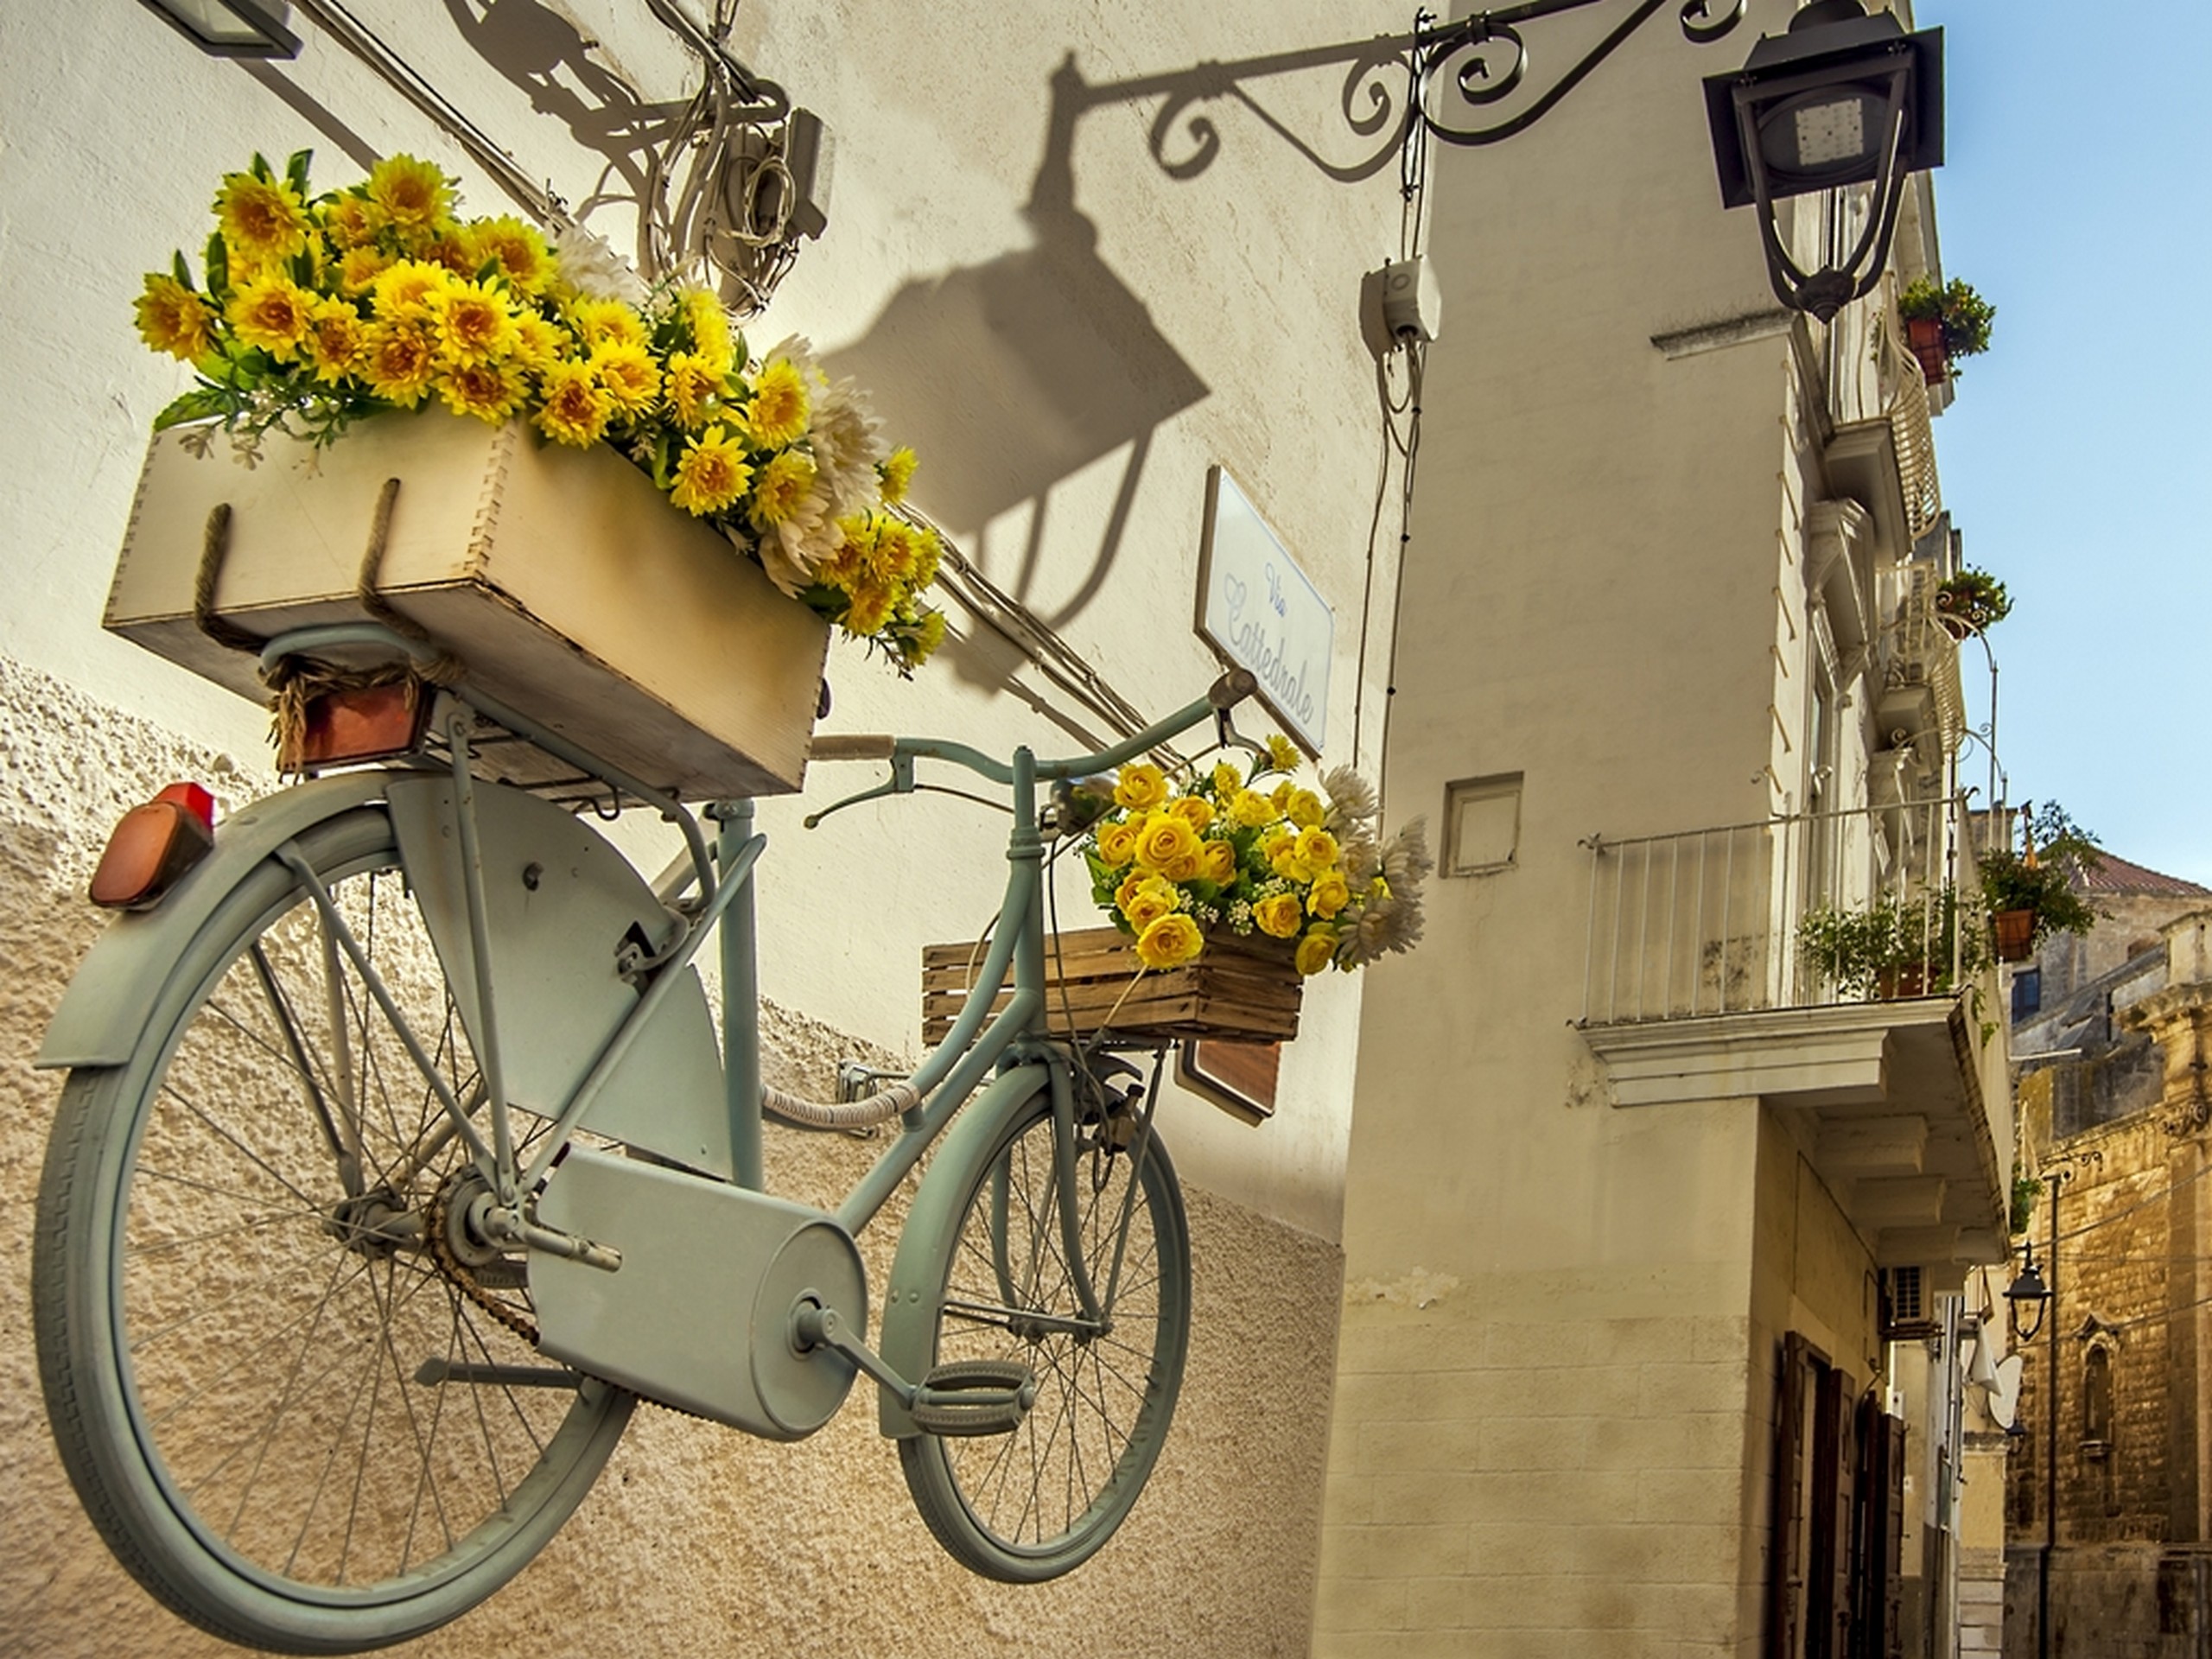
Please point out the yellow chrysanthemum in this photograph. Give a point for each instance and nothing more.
(1170, 942)
(271, 312)
(412, 195)
(516, 248)
(1280, 915)
(474, 323)
(1316, 951)
(897, 472)
(783, 490)
(1283, 753)
(575, 410)
(336, 338)
(694, 387)
(710, 325)
(350, 221)
(929, 634)
(399, 360)
(358, 268)
(1167, 840)
(870, 609)
(404, 290)
(1140, 786)
(607, 322)
(490, 391)
(895, 552)
(928, 550)
(539, 344)
(1226, 782)
(174, 319)
(777, 416)
(628, 375)
(1145, 898)
(446, 246)
(263, 220)
(712, 474)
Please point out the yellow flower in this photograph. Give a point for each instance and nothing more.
(1283, 753)
(449, 249)
(1165, 840)
(929, 634)
(1280, 915)
(1329, 894)
(474, 323)
(607, 322)
(1194, 810)
(1117, 844)
(398, 361)
(1281, 795)
(869, 610)
(628, 376)
(777, 416)
(928, 551)
(784, 483)
(174, 319)
(1145, 898)
(517, 250)
(358, 268)
(694, 386)
(1318, 847)
(1170, 942)
(271, 312)
(490, 391)
(1305, 809)
(575, 410)
(350, 221)
(538, 344)
(894, 553)
(712, 474)
(1218, 862)
(1287, 865)
(263, 220)
(1226, 782)
(709, 327)
(335, 339)
(898, 474)
(404, 290)
(1316, 951)
(1140, 786)
(1251, 810)
(412, 195)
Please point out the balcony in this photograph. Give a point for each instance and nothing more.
(1696, 989)
(1882, 452)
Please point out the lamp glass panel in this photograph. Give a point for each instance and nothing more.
(1824, 137)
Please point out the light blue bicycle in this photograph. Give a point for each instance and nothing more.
(399, 1159)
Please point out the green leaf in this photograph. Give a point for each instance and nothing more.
(183, 272)
(198, 404)
(260, 167)
(218, 265)
(303, 269)
(295, 171)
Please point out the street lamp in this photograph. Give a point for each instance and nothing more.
(1840, 99)
(2028, 1291)
(232, 28)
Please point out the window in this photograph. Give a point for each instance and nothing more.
(1481, 824)
(2027, 992)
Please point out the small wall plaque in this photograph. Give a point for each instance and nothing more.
(1260, 611)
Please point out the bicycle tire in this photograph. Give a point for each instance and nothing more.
(232, 1385)
(1036, 1503)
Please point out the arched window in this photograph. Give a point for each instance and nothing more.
(2096, 1402)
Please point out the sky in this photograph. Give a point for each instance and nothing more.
(2076, 197)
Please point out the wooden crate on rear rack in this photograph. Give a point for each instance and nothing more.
(1240, 990)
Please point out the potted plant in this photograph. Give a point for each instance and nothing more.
(1971, 601)
(1892, 947)
(2030, 894)
(1943, 324)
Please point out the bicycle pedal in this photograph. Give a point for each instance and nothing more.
(974, 1397)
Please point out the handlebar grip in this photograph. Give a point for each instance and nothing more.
(853, 746)
(1232, 689)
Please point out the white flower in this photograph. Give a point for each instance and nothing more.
(1351, 798)
(842, 435)
(1406, 860)
(588, 264)
(791, 550)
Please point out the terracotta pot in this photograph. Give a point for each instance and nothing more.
(1924, 335)
(1892, 983)
(2016, 931)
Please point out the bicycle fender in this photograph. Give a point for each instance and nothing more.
(103, 1012)
(907, 1337)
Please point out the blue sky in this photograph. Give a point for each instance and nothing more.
(2076, 196)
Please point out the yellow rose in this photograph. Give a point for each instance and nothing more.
(1170, 942)
(1280, 795)
(1181, 869)
(1117, 843)
(1140, 786)
(1317, 847)
(1145, 898)
(1251, 810)
(1305, 809)
(1330, 895)
(1280, 915)
(1292, 867)
(1165, 840)
(1194, 810)
(1218, 862)
(1316, 951)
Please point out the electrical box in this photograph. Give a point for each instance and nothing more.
(1400, 303)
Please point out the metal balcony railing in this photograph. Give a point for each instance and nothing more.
(1709, 921)
(1875, 378)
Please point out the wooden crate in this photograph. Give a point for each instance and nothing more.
(1241, 990)
(567, 582)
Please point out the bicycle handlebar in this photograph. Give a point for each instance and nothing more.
(1221, 696)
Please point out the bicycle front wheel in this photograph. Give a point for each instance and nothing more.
(1036, 1503)
(298, 1418)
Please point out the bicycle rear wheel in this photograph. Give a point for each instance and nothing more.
(281, 1406)
(1040, 1501)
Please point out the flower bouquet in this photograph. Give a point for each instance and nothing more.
(313, 311)
(1228, 852)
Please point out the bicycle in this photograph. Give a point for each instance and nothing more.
(412, 1081)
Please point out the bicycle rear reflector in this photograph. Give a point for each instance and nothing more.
(369, 722)
(153, 846)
